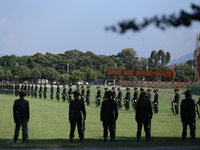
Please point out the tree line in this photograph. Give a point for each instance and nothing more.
(74, 65)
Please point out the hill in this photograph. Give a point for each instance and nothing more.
(182, 59)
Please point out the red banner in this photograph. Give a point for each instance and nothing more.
(143, 73)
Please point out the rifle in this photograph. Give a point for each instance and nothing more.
(83, 130)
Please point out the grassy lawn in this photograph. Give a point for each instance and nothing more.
(49, 126)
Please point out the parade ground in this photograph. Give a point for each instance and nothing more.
(49, 126)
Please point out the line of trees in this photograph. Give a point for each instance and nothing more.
(74, 65)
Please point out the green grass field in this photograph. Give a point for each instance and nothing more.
(49, 126)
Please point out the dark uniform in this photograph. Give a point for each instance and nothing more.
(1, 86)
(51, 92)
(104, 97)
(29, 89)
(109, 114)
(135, 98)
(149, 94)
(141, 90)
(176, 101)
(35, 92)
(58, 93)
(77, 88)
(45, 91)
(114, 94)
(18, 87)
(70, 93)
(119, 98)
(98, 101)
(40, 91)
(32, 90)
(75, 108)
(25, 88)
(188, 115)
(127, 99)
(143, 116)
(64, 94)
(22, 87)
(155, 102)
(12, 88)
(82, 93)
(88, 95)
(21, 116)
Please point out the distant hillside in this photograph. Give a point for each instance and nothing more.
(182, 59)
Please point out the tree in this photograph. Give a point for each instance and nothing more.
(23, 72)
(129, 58)
(90, 74)
(2, 75)
(35, 74)
(77, 75)
(64, 77)
(168, 57)
(143, 62)
(51, 74)
(164, 22)
(8, 74)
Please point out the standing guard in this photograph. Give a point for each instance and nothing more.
(51, 92)
(70, 93)
(176, 101)
(22, 87)
(58, 92)
(64, 94)
(77, 88)
(155, 102)
(45, 91)
(29, 89)
(104, 97)
(119, 98)
(141, 90)
(25, 88)
(35, 92)
(135, 98)
(188, 115)
(18, 87)
(32, 90)
(88, 95)
(98, 96)
(12, 88)
(143, 115)
(40, 91)
(127, 98)
(109, 115)
(114, 93)
(149, 94)
(76, 107)
(82, 93)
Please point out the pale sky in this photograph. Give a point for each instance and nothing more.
(30, 26)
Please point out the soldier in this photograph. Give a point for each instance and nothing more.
(76, 107)
(22, 87)
(114, 93)
(149, 94)
(77, 88)
(21, 116)
(108, 115)
(64, 93)
(25, 88)
(40, 91)
(58, 93)
(119, 98)
(45, 91)
(104, 97)
(98, 96)
(51, 92)
(70, 93)
(82, 93)
(3, 90)
(127, 98)
(29, 89)
(155, 102)
(135, 98)
(188, 115)
(18, 87)
(1, 87)
(141, 90)
(15, 88)
(35, 92)
(12, 88)
(143, 115)
(32, 90)
(88, 95)
(6, 88)
(176, 100)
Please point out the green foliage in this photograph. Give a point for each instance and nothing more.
(51, 74)
(23, 72)
(64, 77)
(35, 73)
(8, 74)
(77, 75)
(2, 75)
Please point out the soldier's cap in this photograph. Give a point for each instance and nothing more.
(187, 93)
(88, 86)
(155, 90)
(22, 94)
(118, 88)
(113, 87)
(189, 90)
(128, 88)
(148, 89)
(109, 93)
(141, 89)
(98, 87)
(176, 89)
(144, 94)
(63, 85)
(106, 88)
(82, 86)
(57, 84)
(70, 85)
(77, 85)
(135, 88)
(76, 92)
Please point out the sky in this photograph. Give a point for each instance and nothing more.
(31, 26)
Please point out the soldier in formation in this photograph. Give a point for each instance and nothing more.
(58, 93)
(51, 92)
(70, 93)
(29, 89)
(149, 94)
(88, 95)
(155, 102)
(135, 98)
(98, 97)
(119, 98)
(127, 98)
(64, 94)
(45, 91)
(35, 92)
(40, 91)
(105, 91)
(109, 115)
(114, 93)
(176, 101)
(82, 93)
(32, 90)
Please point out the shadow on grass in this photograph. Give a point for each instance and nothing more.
(120, 142)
